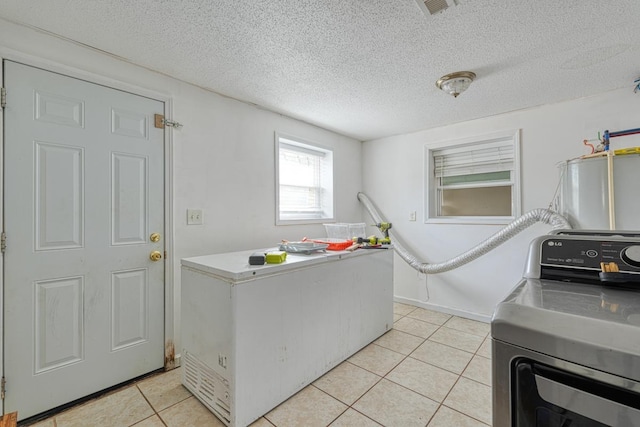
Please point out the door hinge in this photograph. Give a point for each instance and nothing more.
(3, 386)
(3, 242)
(3, 97)
(160, 122)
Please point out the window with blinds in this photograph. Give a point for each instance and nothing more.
(475, 180)
(304, 181)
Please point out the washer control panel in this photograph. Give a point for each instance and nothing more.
(585, 253)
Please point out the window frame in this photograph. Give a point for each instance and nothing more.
(431, 193)
(329, 204)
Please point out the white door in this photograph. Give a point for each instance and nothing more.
(84, 186)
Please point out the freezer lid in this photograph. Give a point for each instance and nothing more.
(590, 325)
(234, 266)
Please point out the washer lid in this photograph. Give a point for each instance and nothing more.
(589, 325)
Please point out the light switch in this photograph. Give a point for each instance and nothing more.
(194, 217)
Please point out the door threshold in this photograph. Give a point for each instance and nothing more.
(57, 410)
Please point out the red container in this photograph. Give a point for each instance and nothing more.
(335, 244)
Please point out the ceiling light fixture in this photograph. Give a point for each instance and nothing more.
(431, 7)
(456, 83)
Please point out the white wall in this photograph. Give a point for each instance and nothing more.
(223, 157)
(393, 179)
(223, 164)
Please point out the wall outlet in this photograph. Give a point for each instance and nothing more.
(412, 216)
(194, 216)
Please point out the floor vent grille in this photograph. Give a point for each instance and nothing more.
(208, 386)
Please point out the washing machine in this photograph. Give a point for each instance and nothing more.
(566, 341)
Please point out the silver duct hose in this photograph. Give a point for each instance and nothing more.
(545, 216)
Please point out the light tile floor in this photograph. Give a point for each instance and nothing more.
(431, 369)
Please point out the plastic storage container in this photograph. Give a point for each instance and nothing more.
(338, 230)
(357, 229)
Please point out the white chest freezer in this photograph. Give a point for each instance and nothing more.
(255, 335)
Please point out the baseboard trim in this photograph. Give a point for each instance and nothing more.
(453, 311)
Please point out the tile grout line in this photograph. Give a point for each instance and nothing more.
(446, 345)
(333, 397)
(454, 385)
(380, 377)
(369, 389)
(266, 419)
(441, 404)
(364, 415)
(150, 405)
(466, 415)
(394, 366)
(378, 381)
(405, 357)
(445, 323)
(354, 402)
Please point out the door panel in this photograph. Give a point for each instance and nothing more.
(130, 294)
(58, 109)
(58, 323)
(59, 184)
(129, 198)
(84, 303)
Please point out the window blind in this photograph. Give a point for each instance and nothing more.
(485, 158)
(305, 181)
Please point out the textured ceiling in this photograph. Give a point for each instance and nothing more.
(364, 68)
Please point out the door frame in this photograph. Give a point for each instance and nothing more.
(171, 358)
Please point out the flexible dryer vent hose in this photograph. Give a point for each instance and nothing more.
(545, 216)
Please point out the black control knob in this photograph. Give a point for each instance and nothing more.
(631, 255)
